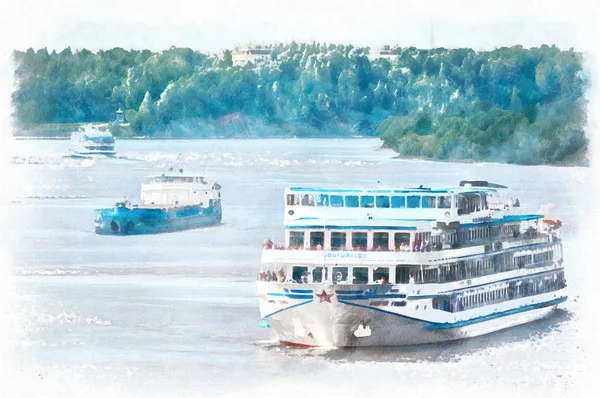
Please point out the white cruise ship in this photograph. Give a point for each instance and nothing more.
(381, 267)
(91, 141)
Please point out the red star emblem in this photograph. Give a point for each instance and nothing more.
(324, 297)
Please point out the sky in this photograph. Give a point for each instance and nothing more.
(213, 25)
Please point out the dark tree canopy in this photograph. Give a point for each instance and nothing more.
(509, 105)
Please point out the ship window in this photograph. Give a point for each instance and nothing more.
(359, 240)
(319, 274)
(340, 274)
(296, 239)
(412, 202)
(382, 201)
(338, 240)
(443, 202)
(402, 274)
(351, 201)
(398, 202)
(308, 200)
(300, 274)
(400, 238)
(323, 200)
(317, 239)
(381, 241)
(366, 201)
(292, 200)
(428, 202)
(381, 272)
(360, 275)
(337, 201)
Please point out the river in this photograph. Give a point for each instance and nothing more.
(176, 314)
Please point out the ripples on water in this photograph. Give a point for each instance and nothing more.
(176, 314)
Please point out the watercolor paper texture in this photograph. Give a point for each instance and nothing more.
(177, 314)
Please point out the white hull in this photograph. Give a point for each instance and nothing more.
(91, 153)
(334, 324)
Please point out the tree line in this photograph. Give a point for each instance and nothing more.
(512, 104)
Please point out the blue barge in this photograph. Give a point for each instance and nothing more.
(169, 202)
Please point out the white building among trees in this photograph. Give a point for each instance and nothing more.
(242, 56)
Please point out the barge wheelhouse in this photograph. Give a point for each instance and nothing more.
(169, 202)
(407, 266)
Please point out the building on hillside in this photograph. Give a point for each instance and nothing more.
(255, 55)
(376, 53)
(120, 116)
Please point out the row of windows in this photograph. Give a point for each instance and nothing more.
(466, 235)
(466, 269)
(517, 289)
(357, 240)
(401, 240)
(510, 230)
(471, 202)
(444, 273)
(370, 201)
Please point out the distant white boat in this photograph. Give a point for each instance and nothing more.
(91, 141)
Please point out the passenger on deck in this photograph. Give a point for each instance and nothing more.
(411, 278)
(384, 280)
(319, 247)
(281, 276)
(402, 247)
(517, 203)
(267, 244)
(304, 278)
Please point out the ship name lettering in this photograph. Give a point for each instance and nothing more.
(344, 255)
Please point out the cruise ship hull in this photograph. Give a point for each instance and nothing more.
(340, 323)
(122, 220)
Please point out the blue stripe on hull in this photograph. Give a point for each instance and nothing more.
(291, 296)
(286, 308)
(495, 315)
(137, 221)
(372, 296)
(437, 325)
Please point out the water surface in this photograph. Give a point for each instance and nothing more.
(176, 314)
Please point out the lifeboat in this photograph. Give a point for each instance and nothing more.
(554, 223)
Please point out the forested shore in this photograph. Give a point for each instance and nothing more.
(512, 105)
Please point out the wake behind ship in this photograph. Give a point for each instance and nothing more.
(381, 267)
(169, 202)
